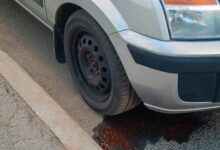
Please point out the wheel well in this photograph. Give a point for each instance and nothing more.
(62, 16)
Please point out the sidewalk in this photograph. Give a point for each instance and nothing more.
(65, 128)
(20, 128)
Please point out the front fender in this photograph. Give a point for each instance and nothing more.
(111, 22)
(144, 16)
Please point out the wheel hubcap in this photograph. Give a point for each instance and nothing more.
(93, 65)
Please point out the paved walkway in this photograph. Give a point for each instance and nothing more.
(20, 128)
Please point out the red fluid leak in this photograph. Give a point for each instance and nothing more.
(134, 129)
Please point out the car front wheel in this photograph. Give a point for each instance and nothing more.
(96, 67)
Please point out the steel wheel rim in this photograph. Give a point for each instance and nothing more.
(93, 66)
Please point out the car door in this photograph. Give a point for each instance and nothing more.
(37, 7)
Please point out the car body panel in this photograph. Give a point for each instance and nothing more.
(157, 89)
(37, 8)
(110, 22)
(145, 16)
(143, 24)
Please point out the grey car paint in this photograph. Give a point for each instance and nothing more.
(125, 14)
(159, 90)
(36, 7)
(141, 23)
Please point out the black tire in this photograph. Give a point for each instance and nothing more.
(120, 96)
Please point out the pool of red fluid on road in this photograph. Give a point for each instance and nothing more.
(134, 129)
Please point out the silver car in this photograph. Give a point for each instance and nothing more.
(164, 53)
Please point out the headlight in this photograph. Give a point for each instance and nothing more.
(193, 19)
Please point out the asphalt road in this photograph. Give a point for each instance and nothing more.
(30, 43)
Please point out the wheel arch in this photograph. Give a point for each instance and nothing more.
(58, 13)
(63, 13)
(61, 17)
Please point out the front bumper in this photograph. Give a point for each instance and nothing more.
(154, 68)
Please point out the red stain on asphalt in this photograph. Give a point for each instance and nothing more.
(179, 130)
(134, 129)
(111, 137)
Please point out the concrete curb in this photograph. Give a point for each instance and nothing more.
(64, 127)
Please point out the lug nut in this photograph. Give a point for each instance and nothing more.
(88, 55)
